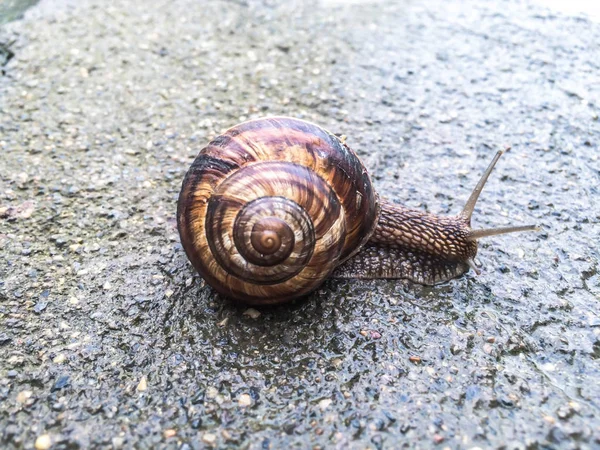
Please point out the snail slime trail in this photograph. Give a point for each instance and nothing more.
(274, 206)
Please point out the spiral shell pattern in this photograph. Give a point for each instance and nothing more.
(269, 209)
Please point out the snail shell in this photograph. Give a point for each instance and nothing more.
(271, 207)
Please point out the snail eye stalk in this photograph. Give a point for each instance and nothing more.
(485, 232)
(467, 211)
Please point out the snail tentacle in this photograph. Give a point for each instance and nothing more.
(469, 207)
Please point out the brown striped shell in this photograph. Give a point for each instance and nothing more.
(271, 207)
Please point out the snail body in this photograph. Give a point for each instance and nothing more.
(272, 207)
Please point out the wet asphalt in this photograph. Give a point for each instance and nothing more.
(110, 340)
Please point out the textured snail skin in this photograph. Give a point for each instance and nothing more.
(414, 245)
(272, 207)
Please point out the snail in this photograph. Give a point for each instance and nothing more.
(272, 207)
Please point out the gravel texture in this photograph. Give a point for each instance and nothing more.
(110, 340)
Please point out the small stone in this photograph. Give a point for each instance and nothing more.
(39, 307)
(245, 400)
(415, 359)
(252, 313)
(59, 359)
(169, 433)
(209, 438)
(374, 334)
(4, 338)
(62, 382)
(22, 177)
(43, 442)
(23, 396)
(491, 339)
(226, 435)
(57, 406)
(438, 438)
(169, 293)
(566, 412)
(25, 210)
(575, 406)
(324, 404)
(211, 392)
(142, 385)
(60, 241)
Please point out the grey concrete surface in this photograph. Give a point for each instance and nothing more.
(14, 9)
(109, 339)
